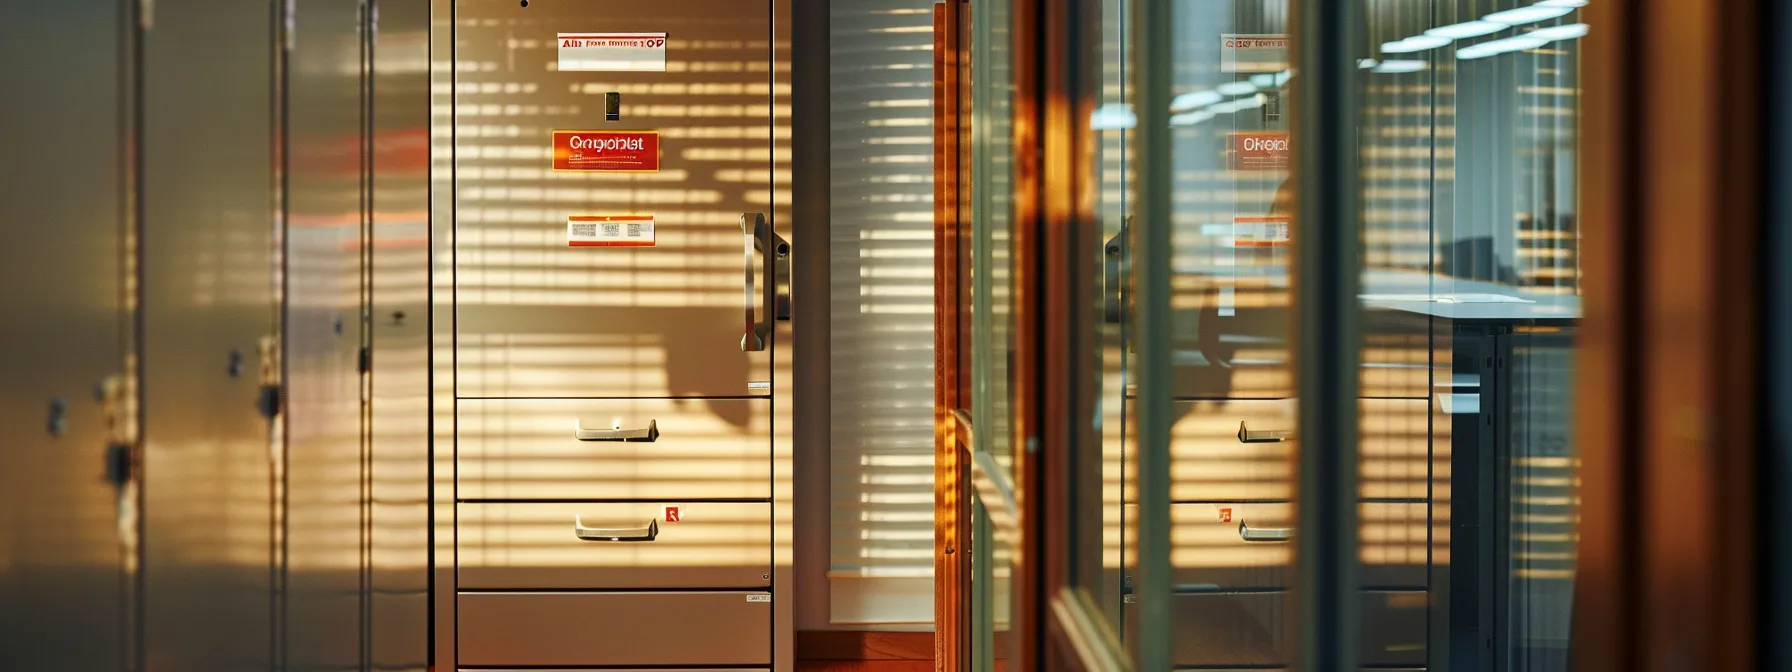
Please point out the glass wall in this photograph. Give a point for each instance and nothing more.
(1336, 293)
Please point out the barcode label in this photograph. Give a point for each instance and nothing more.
(759, 598)
(609, 231)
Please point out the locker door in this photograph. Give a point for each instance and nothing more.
(549, 302)
(208, 304)
(61, 315)
(324, 196)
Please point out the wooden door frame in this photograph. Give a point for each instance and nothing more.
(952, 331)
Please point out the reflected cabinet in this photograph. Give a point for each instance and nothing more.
(1272, 312)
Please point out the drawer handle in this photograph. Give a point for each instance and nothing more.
(1248, 533)
(615, 533)
(1269, 436)
(648, 434)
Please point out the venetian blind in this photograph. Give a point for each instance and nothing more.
(881, 293)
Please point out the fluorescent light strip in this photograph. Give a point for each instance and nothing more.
(1415, 43)
(1524, 15)
(1500, 46)
(1399, 66)
(1466, 29)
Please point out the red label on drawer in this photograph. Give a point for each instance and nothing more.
(672, 515)
(607, 151)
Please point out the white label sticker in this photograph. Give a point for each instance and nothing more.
(1130, 599)
(612, 52)
(1253, 53)
(609, 231)
(760, 597)
(759, 384)
(1262, 231)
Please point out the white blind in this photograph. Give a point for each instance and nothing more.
(881, 293)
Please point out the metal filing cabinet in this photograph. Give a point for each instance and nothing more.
(617, 282)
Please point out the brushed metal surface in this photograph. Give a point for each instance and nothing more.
(524, 449)
(1246, 630)
(64, 162)
(532, 546)
(399, 453)
(539, 319)
(614, 629)
(323, 461)
(208, 204)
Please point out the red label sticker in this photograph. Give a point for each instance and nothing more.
(1265, 150)
(607, 151)
(672, 514)
(1225, 514)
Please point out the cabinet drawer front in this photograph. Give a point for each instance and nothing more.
(1210, 463)
(1209, 548)
(615, 629)
(1249, 630)
(536, 546)
(527, 449)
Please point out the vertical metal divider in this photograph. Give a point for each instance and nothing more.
(1025, 383)
(132, 26)
(1151, 69)
(1327, 266)
(279, 521)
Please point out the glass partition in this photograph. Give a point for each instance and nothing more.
(1441, 148)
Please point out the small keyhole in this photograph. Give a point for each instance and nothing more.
(236, 363)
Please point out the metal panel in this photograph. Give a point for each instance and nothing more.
(525, 449)
(576, 629)
(323, 273)
(398, 461)
(208, 202)
(532, 546)
(65, 154)
(539, 318)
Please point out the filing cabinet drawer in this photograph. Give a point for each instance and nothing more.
(538, 546)
(648, 629)
(699, 449)
(1252, 630)
(1209, 462)
(1248, 546)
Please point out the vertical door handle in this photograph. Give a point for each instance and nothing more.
(1113, 277)
(758, 241)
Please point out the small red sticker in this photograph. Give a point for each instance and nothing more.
(672, 514)
(1225, 514)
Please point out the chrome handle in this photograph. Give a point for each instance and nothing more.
(1267, 436)
(647, 533)
(1112, 277)
(758, 237)
(1248, 533)
(647, 434)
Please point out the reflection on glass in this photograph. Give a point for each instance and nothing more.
(1470, 305)
(1469, 300)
